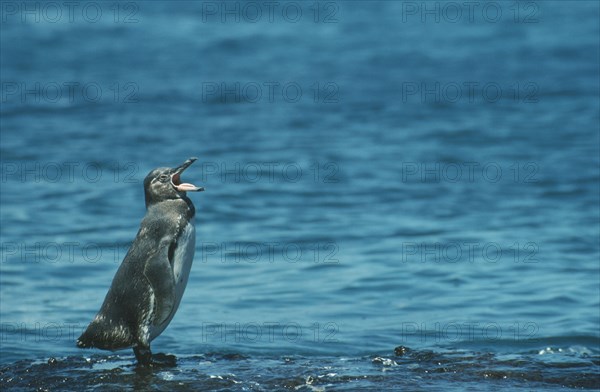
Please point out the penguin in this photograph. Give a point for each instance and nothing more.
(147, 288)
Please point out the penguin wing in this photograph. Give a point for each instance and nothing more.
(159, 273)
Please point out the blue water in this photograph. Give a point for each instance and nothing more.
(377, 175)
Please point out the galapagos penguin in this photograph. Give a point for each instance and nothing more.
(147, 288)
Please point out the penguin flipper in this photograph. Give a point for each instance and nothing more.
(159, 273)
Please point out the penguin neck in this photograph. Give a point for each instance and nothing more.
(183, 204)
(190, 205)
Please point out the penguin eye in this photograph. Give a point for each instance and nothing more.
(163, 178)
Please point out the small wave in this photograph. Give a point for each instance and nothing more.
(398, 369)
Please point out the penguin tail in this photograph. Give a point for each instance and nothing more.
(105, 334)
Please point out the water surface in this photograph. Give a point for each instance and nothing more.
(376, 181)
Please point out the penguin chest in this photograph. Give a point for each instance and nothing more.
(181, 264)
(182, 259)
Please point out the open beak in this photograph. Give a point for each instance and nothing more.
(184, 186)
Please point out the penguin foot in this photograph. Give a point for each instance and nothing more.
(143, 355)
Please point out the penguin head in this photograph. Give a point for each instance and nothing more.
(165, 183)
